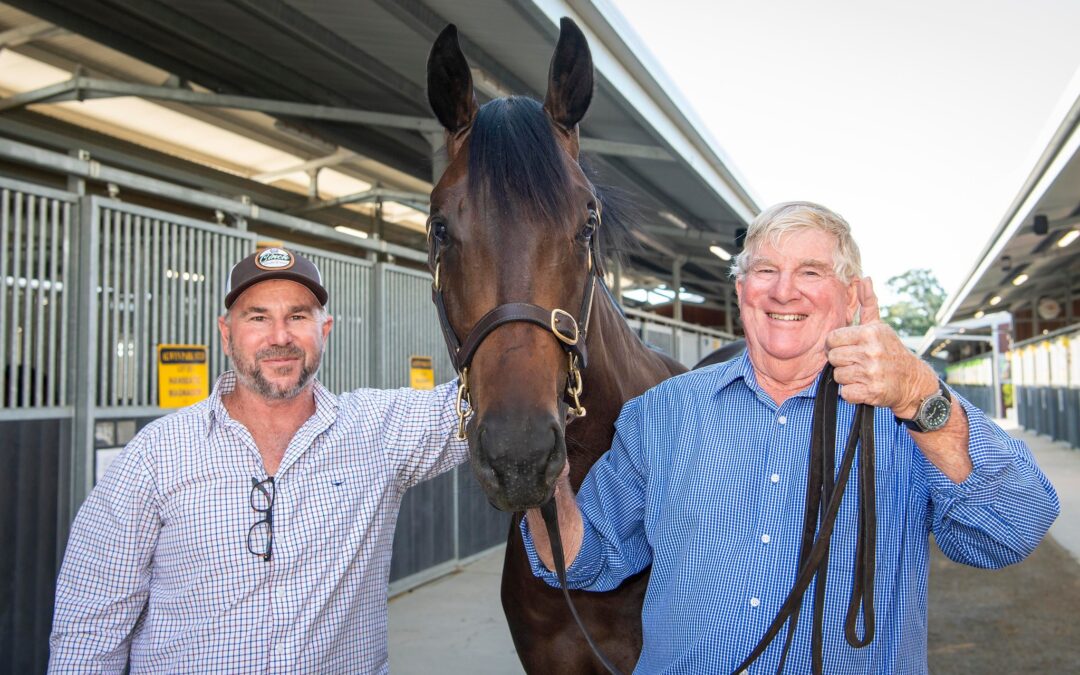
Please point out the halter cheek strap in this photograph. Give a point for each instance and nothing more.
(570, 333)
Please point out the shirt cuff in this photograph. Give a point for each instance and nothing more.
(990, 456)
(581, 574)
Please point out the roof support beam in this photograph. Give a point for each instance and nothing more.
(340, 156)
(82, 88)
(413, 200)
(29, 33)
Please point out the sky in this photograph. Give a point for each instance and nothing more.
(917, 121)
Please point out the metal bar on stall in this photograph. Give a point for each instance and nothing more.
(16, 357)
(6, 361)
(157, 295)
(127, 343)
(114, 310)
(55, 366)
(85, 331)
(103, 302)
(47, 206)
(171, 334)
(142, 348)
(64, 367)
(26, 351)
(199, 283)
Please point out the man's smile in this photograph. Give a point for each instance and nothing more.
(786, 317)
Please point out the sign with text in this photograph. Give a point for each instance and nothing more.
(183, 375)
(421, 373)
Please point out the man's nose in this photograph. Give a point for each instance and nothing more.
(281, 334)
(785, 288)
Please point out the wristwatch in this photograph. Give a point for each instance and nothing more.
(933, 412)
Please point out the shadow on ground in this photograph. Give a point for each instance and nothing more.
(1022, 619)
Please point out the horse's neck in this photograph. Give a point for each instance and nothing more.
(620, 368)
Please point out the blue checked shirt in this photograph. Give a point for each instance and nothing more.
(157, 562)
(706, 481)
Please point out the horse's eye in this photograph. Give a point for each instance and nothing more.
(591, 224)
(437, 229)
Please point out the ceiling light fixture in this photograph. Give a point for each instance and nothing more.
(674, 220)
(1068, 238)
(1020, 278)
(995, 300)
(350, 231)
(720, 252)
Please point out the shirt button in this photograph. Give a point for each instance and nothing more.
(754, 602)
(764, 539)
(775, 478)
(279, 593)
(280, 650)
(782, 419)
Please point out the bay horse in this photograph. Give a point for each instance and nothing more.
(515, 236)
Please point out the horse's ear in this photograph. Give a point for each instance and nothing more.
(449, 82)
(570, 78)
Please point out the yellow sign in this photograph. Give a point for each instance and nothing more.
(421, 373)
(183, 375)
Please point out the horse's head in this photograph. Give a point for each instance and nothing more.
(513, 219)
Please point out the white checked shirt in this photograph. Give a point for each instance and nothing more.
(158, 564)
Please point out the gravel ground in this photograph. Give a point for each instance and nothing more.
(1021, 619)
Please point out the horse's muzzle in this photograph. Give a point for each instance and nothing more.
(517, 459)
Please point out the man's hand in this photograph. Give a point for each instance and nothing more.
(874, 366)
(570, 524)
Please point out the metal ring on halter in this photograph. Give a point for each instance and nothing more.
(574, 385)
(463, 397)
(557, 317)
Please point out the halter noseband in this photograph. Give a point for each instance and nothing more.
(570, 332)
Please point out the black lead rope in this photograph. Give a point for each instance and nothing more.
(823, 497)
(551, 520)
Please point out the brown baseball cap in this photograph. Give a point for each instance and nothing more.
(273, 263)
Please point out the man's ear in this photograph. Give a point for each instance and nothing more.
(328, 323)
(223, 329)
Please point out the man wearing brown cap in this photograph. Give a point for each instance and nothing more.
(252, 532)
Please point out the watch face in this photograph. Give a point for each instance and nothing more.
(935, 413)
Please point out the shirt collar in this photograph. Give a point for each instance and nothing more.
(326, 404)
(740, 368)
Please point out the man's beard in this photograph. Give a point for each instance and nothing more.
(249, 372)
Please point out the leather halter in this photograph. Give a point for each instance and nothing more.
(570, 332)
(823, 498)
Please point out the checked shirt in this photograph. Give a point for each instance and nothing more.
(157, 563)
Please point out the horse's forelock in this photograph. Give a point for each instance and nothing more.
(515, 163)
(517, 168)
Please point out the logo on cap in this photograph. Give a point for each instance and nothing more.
(274, 259)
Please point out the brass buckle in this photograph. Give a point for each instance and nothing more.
(556, 316)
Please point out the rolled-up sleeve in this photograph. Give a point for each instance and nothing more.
(1000, 513)
(612, 503)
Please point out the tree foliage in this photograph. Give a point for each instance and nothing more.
(921, 296)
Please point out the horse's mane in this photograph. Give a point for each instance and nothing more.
(516, 167)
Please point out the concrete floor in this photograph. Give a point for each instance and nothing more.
(1019, 620)
(453, 625)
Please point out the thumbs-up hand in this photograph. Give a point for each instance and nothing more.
(873, 365)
